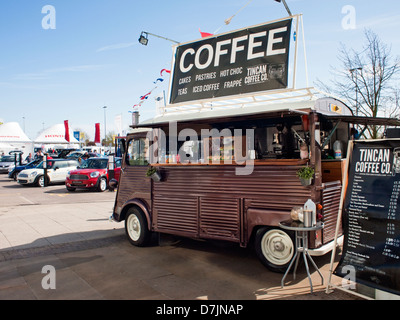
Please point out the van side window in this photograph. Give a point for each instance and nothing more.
(138, 152)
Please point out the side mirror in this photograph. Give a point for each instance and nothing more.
(123, 145)
(56, 168)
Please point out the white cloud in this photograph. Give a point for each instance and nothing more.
(382, 21)
(117, 46)
(31, 76)
(45, 75)
(83, 68)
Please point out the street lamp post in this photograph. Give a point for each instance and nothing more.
(286, 6)
(105, 124)
(144, 38)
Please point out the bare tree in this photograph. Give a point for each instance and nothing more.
(366, 79)
(109, 140)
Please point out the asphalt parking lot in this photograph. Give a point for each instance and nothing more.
(92, 259)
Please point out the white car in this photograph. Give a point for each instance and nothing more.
(57, 170)
(5, 163)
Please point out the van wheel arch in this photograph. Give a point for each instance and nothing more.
(140, 206)
(136, 227)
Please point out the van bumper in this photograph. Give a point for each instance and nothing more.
(325, 248)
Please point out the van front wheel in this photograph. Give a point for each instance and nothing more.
(275, 248)
(136, 228)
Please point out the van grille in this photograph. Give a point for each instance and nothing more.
(330, 203)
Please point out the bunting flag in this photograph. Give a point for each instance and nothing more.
(146, 96)
(159, 79)
(138, 104)
(205, 34)
(97, 133)
(66, 130)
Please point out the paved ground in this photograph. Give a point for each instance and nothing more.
(93, 259)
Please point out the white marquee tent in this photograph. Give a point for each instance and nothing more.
(55, 136)
(12, 137)
(11, 132)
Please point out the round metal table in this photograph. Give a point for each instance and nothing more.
(301, 239)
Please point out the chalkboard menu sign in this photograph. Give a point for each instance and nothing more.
(371, 215)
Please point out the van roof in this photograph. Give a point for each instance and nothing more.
(277, 103)
(300, 101)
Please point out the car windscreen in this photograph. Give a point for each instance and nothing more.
(7, 159)
(33, 163)
(94, 163)
(49, 165)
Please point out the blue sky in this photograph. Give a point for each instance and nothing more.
(93, 59)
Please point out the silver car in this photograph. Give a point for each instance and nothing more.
(5, 163)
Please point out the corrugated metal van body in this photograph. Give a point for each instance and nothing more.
(213, 202)
(133, 185)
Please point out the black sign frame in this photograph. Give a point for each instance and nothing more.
(371, 215)
(249, 60)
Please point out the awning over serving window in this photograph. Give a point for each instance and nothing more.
(366, 121)
(228, 113)
(278, 103)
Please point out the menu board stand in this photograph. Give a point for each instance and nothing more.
(370, 211)
(330, 285)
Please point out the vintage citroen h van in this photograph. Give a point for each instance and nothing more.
(231, 173)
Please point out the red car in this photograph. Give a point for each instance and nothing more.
(92, 174)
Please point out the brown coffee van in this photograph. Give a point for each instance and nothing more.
(231, 173)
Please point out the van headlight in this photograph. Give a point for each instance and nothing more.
(94, 174)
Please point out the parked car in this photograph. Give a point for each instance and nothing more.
(92, 174)
(5, 163)
(63, 153)
(57, 170)
(79, 154)
(14, 171)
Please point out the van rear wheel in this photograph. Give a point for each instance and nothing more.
(275, 248)
(136, 228)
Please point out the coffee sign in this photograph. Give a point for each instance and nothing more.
(244, 61)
